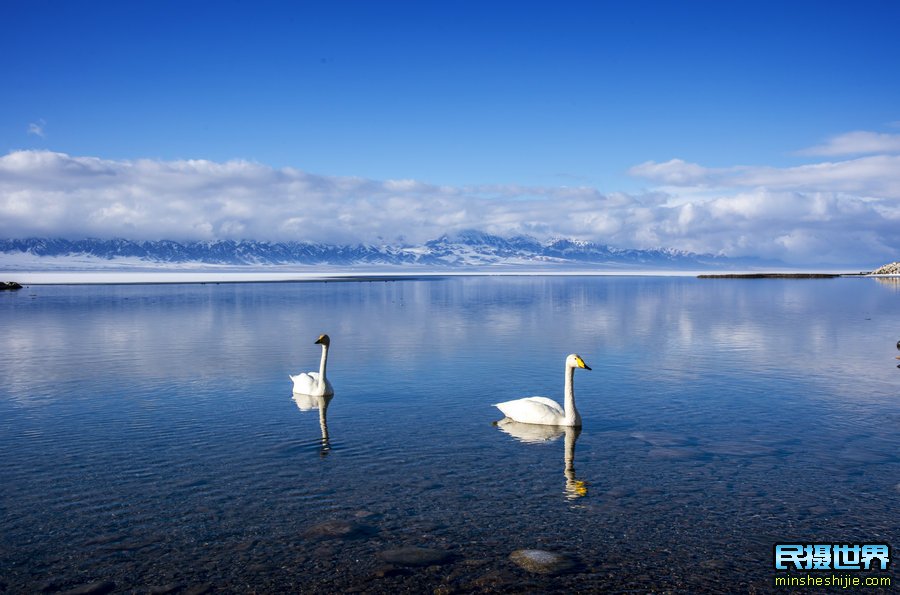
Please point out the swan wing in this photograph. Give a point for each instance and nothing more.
(533, 410)
(307, 383)
(548, 402)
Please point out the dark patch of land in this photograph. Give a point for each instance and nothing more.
(770, 276)
(9, 285)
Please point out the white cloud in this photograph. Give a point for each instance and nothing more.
(859, 142)
(832, 211)
(37, 128)
(46, 193)
(875, 175)
(674, 172)
(845, 211)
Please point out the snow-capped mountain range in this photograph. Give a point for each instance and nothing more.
(465, 249)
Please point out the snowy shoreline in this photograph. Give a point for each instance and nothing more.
(160, 277)
(492, 256)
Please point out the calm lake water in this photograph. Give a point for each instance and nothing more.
(150, 442)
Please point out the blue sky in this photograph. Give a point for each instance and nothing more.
(468, 101)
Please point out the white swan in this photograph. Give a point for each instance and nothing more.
(315, 383)
(544, 411)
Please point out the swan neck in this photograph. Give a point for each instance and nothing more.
(322, 364)
(569, 404)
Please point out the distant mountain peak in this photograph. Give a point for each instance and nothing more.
(466, 248)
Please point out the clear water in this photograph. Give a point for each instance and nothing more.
(150, 442)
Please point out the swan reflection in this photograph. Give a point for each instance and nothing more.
(538, 434)
(310, 402)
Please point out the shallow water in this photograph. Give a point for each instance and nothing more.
(150, 441)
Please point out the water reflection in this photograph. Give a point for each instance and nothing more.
(225, 326)
(889, 282)
(310, 402)
(759, 406)
(538, 434)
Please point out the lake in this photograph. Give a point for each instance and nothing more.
(151, 443)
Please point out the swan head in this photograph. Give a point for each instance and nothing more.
(323, 340)
(574, 361)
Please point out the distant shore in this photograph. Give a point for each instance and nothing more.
(159, 277)
(777, 275)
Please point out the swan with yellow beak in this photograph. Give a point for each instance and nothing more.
(544, 411)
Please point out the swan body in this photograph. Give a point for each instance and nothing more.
(315, 384)
(544, 411)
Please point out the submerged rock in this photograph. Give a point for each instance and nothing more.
(675, 453)
(542, 561)
(98, 588)
(166, 589)
(662, 439)
(497, 580)
(388, 570)
(339, 530)
(415, 556)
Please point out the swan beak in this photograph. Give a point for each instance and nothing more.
(322, 340)
(581, 364)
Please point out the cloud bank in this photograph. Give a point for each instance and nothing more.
(835, 212)
(46, 193)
